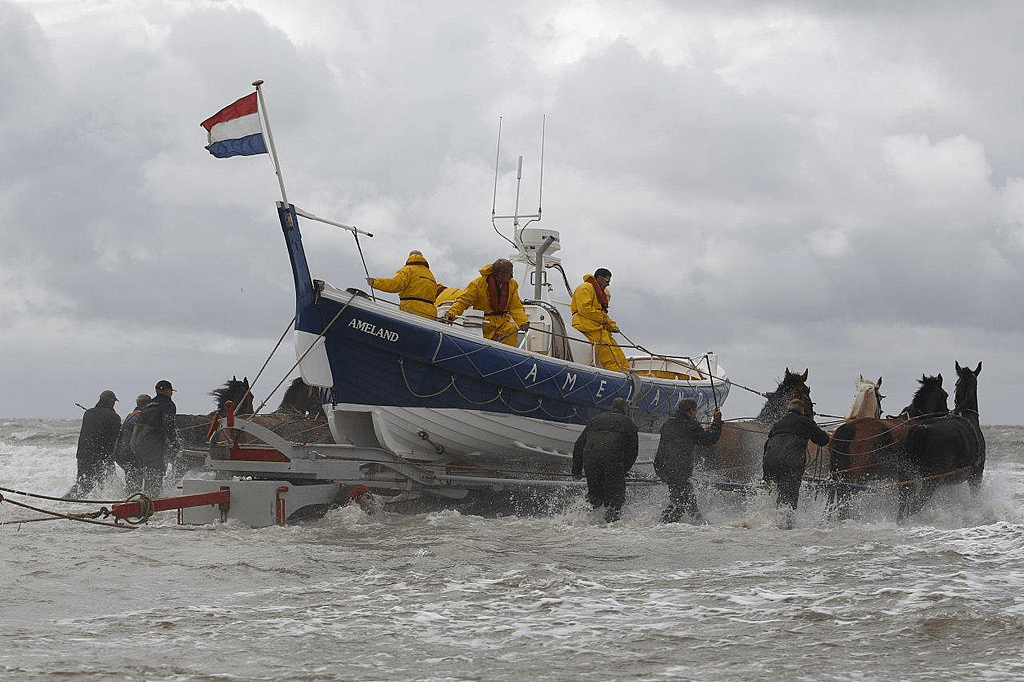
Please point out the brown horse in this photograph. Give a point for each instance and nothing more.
(868, 449)
(867, 403)
(738, 453)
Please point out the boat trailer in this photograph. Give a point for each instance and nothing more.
(254, 475)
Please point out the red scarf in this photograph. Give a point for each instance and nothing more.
(602, 297)
(497, 296)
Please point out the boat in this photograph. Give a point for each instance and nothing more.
(433, 392)
(420, 407)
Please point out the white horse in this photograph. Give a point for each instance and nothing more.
(867, 401)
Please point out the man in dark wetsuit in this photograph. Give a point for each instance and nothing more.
(605, 451)
(674, 460)
(123, 455)
(785, 451)
(95, 456)
(155, 438)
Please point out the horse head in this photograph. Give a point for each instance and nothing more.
(867, 401)
(792, 387)
(237, 392)
(930, 399)
(302, 400)
(965, 394)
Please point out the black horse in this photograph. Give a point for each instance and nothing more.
(300, 416)
(193, 428)
(949, 450)
(237, 392)
(301, 400)
(929, 401)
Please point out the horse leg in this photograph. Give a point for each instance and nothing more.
(839, 499)
(975, 479)
(907, 502)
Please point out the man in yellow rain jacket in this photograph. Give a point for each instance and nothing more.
(590, 316)
(496, 294)
(414, 285)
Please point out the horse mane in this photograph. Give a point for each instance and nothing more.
(233, 390)
(868, 393)
(929, 391)
(791, 386)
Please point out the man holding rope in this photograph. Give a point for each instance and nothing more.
(673, 462)
(590, 317)
(95, 455)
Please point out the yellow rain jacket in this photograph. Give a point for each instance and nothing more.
(414, 285)
(448, 294)
(497, 325)
(589, 318)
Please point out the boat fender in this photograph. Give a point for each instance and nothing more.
(635, 393)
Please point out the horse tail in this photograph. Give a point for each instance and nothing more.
(840, 447)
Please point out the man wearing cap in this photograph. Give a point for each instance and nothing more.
(605, 451)
(589, 308)
(155, 438)
(414, 284)
(674, 460)
(785, 451)
(96, 439)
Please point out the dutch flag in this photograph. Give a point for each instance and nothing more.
(235, 130)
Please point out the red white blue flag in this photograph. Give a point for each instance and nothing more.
(235, 130)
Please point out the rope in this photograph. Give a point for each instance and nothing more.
(267, 362)
(311, 347)
(83, 518)
(145, 510)
(56, 499)
(924, 478)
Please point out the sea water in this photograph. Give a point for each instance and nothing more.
(560, 595)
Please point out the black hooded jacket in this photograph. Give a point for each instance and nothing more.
(156, 431)
(100, 426)
(786, 447)
(679, 436)
(612, 437)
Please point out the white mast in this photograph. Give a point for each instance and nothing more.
(270, 139)
(531, 244)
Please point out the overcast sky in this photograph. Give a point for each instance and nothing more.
(823, 185)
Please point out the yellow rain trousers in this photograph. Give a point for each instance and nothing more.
(497, 326)
(593, 322)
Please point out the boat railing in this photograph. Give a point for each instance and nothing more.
(679, 369)
(472, 320)
(549, 335)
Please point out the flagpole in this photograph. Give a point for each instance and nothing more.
(270, 139)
